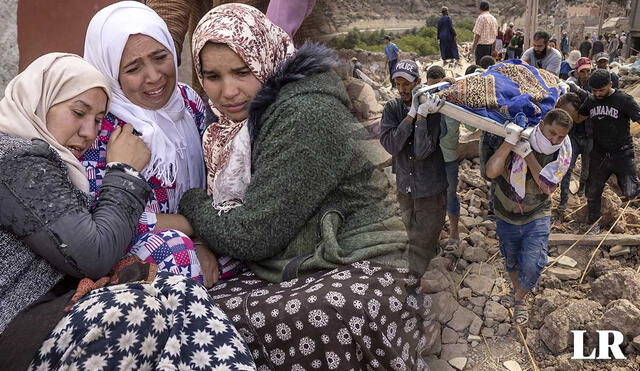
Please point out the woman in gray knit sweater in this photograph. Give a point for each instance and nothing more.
(291, 194)
(50, 243)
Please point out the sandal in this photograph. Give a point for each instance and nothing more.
(520, 313)
(452, 245)
(508, 300)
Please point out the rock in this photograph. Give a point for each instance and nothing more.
(573, 314)
(471, 338)
(482, 269)
(619, 250)
(475, 211)
(496, 311)
(439, 262)
(449, 336)
(464, 292)
(480, 285)
(462, 318)
(434, 339)
(488, 332)
(363, 99)
(458, 363)
(503, 329)
(450, 351)
(474, 328)
(489, 322)
(636, 343)
(478, 301)
(619, 284)
(604, 266)
(475, 202)
(443, 305)
(478, 310)
(434, 281)
(439, 365)
(512, 366)
(623, 316)
(468, 221)
(475, 254)
(565, 273)
(566, 261)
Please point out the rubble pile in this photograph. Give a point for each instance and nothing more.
(469, 329)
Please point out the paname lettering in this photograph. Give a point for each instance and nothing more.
(604, 111)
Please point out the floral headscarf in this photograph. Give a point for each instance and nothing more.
(263, 46)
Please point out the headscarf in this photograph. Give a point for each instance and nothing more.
(552, 173)
(263, 46)
(170, 132)
(51, 79)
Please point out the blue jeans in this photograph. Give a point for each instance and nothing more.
(579, 146)
(453, 204)
(524, 248)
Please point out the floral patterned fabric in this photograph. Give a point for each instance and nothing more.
(263, 46)
(361, 316)
(169, 324)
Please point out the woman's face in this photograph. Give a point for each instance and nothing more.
(555, 133)
(74, 123)
(147, 74)
(228, 81)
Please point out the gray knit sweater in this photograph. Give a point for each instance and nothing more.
(46, 228)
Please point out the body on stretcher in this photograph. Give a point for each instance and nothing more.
(470, 118)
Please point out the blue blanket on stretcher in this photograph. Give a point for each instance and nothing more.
(508, 91)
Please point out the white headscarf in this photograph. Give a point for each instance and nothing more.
(49, 80)
(170, 132)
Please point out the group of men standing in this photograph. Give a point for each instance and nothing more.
(594, 117)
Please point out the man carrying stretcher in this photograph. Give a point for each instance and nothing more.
(526, 170)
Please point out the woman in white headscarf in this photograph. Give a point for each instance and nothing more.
(132, 46)
(55, 253)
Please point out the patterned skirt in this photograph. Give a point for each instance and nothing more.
(361, 316)
(169, 324)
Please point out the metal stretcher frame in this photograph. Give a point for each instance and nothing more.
(470, 118)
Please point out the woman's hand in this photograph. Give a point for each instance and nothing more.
(208, 264)
(126, 147)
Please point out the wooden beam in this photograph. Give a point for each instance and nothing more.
(559, 239)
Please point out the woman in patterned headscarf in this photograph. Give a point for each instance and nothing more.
(290, 193)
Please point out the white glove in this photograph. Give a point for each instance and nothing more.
(522, 148)
(431, 105)
(415, 101)
(513, 133)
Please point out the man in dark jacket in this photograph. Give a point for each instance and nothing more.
(585, 47)
(598, 47)
(410, 132)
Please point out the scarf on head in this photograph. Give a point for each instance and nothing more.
(552, 173)
(170, 132)
(49, 80)
(263, 46)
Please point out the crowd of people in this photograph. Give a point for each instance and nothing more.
(591, 119)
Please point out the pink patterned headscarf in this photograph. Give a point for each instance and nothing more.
(262, 45)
